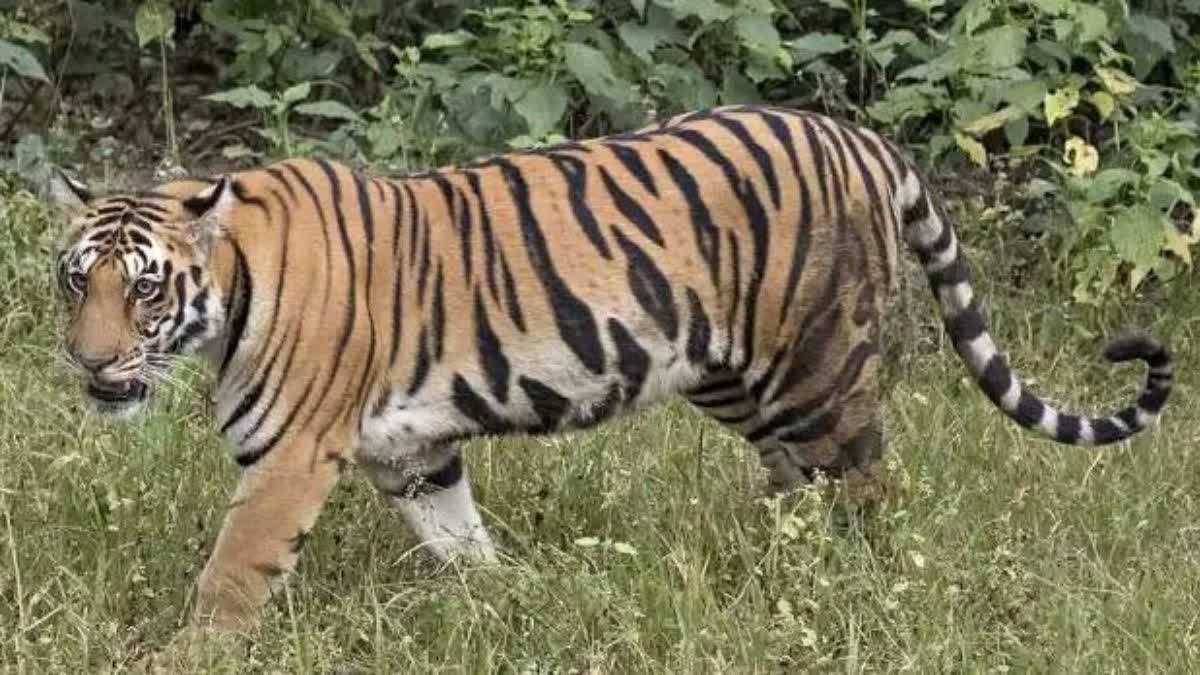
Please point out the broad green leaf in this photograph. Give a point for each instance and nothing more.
(973, 148)
(736, 88)
(1025, 94)
(154, 20)
(22, 61)
(642, 40)
(1152, 29)
(1138, 234)
(1003, 47)
(814, 45)
(974, 14)
(542, 107)
(457, 38)
(328, 108)
(384, 138)
(591, 67)
(757, 32)
(297, 92)
(1059, 104)
(1090, 22)
(1166, 193)
(1016, 131)
(1106, 184)
(243, 97)
(708, 11)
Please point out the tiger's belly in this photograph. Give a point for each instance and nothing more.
(455, 406)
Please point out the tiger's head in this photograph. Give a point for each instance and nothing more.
(134, 269)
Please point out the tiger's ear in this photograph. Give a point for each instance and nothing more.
(210, 211)
(69, 195)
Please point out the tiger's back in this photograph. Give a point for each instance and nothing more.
(740, 257)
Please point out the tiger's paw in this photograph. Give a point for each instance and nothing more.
(196, 649)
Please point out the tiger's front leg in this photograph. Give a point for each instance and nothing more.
(433, 494)
(273, 509)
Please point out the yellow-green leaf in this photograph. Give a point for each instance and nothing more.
(993, 120)
(1116, 81)
(1058, 104)
(973, 148)
(1104, 102)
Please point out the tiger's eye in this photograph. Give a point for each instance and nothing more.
(145, 288)
(77, 281)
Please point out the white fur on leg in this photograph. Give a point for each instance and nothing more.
(448, 523)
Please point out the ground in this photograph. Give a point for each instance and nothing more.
(645, 545)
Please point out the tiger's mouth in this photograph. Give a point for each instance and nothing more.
(117, 399)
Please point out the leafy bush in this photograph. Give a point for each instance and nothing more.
(1094, 105)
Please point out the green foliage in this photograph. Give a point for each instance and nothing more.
(1096, 103)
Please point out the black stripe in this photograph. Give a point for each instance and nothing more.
(397, 274)
(490, 254)
(699, 330)
(465, 232)
(995, 379)
(965, 326)
(574, 319)
(817, 149)
(632, 161)
(716, 386)
(475, 408)
(650, 287)
(873, 193)
(757, 152)
(351, 307)
(511, 301)
(243, 292)
(1104, 431)
(420, 365)
(438, 314)
(629, 208)
(574, 172)
(491, 352)
(1068, 429)
(367, 215)
(817, 428)
(548, 404)
(632, 361)
(708, 237)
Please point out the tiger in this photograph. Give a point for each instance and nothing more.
(737, 257)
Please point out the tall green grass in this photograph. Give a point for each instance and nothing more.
(645, 545)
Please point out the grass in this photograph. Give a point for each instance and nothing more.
(643, 546)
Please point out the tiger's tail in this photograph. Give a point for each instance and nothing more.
(936, 245)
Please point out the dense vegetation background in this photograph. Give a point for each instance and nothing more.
(1064, 133)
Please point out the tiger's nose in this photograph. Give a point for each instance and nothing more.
(94, 363)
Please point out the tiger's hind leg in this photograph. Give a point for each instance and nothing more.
(433, 494)
(815, 409)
